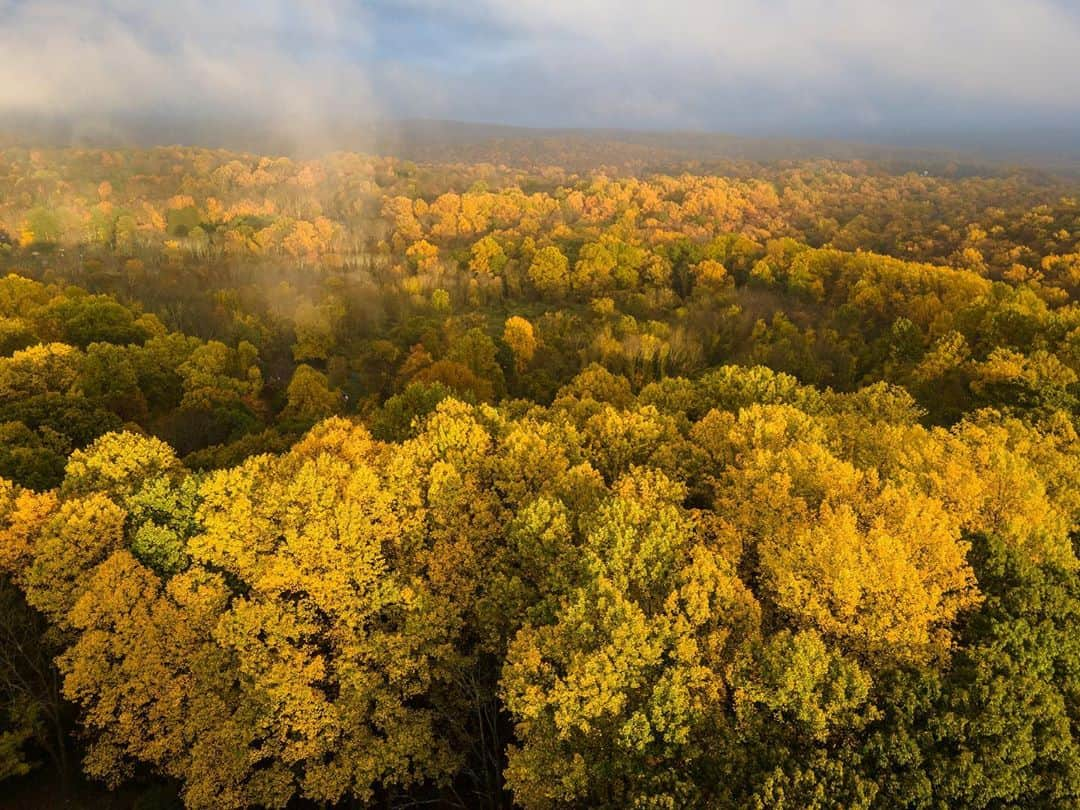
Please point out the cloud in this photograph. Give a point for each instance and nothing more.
(102, 60)
(768, 65)
(775, 61)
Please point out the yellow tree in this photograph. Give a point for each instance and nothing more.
(46, 368)
(294, 656)
(887, 578)
(82, 533)
(337, 643)
(23, 513)
(550, 271)
(880, 568)
(118, 464)
(619, 699)
(155, 688)
(486, 257)
(423, 256)
(309, 395)
(519, 335)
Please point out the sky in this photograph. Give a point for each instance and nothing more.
(857, 68)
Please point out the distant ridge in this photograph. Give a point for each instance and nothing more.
(429, 140)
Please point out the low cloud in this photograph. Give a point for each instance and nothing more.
(107, 61)
(772, 65)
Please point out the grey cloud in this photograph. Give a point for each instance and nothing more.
(861, 61)
(101, 59)
(769, 65)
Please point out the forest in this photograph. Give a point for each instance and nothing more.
(479, 482)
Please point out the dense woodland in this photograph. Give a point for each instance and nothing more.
(357, 481)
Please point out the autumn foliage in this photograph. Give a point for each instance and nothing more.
(356, 481)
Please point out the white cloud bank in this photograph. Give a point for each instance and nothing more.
(284, 62)
(668, 63)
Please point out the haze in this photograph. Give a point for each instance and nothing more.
(1003, 71)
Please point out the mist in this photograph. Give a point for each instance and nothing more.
(1001, 74)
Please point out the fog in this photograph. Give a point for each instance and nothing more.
(918, 71)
